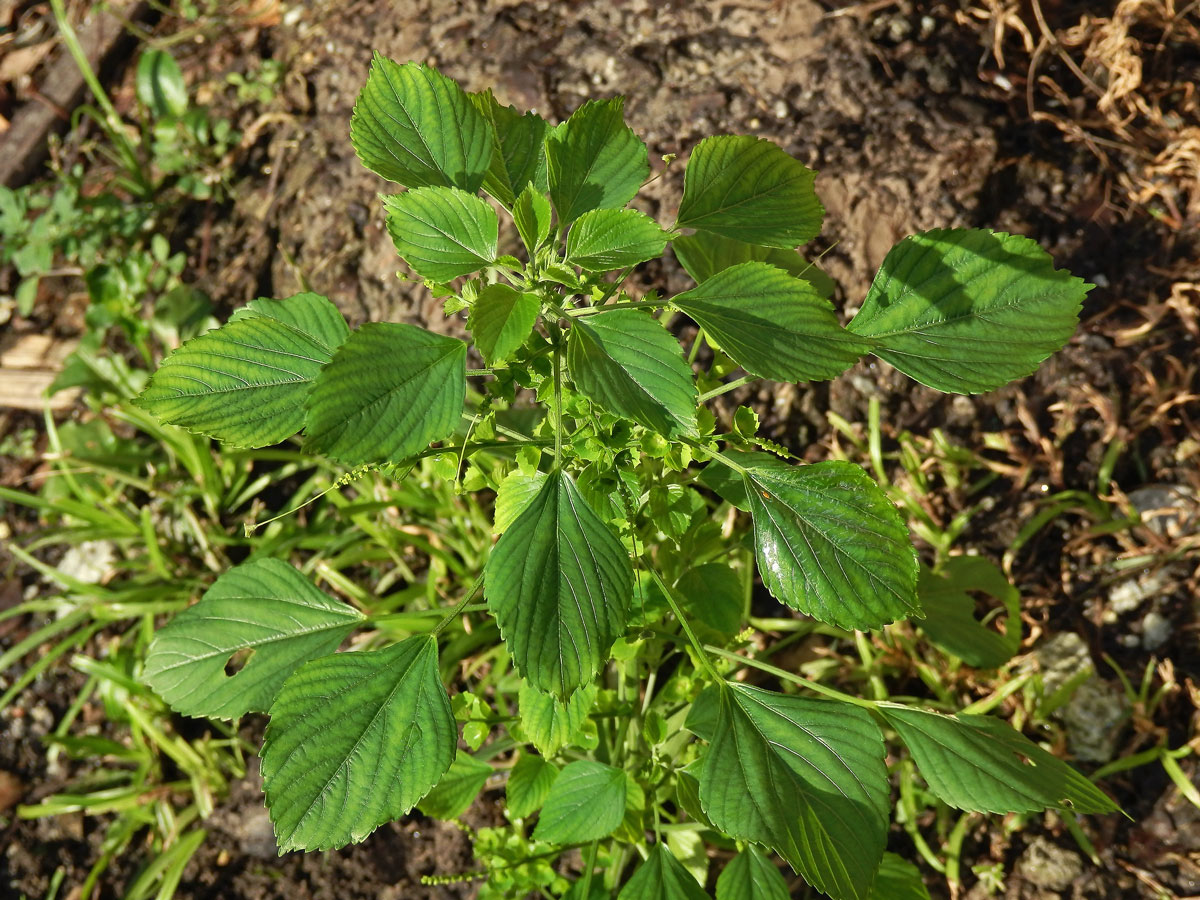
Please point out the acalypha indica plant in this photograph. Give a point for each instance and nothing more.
(629, 520)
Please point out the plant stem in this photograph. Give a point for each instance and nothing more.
(558, 423)
(687, 628)
(625, 304)
(588, 866)
(478, 373)
(717, 455)
(726, 388)
(459, 606)
(794, 679)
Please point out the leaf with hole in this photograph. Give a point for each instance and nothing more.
(415, 126)
(246, 382)
(387, 393)
(559, 583)
(355, 740)
(969, 310)
(264, 606)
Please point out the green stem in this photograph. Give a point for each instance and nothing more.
(459, 606)
(717, 455)
(625, 304)
(794, 679)
(478, 373)
(726, 388)
(558, 423)
(588, 867)
(687, 628)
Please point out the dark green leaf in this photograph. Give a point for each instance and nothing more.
(160, 84)
(585, 803)
(533, 218)
(713, 593)
(627, 362)
(606, 239)
(950, 611)
(501, 320)
(355, 740)
(771, 324)
(982, 764)
(662, 877)
(559, 583)
(415, 126)
(518, 157)
(969, 310)
(806, 778)
(751, 876)
(898, 879)
(387, 393)
(703, 255)
(457, 789)
(830, 543)
(263, 605)
(442, 232)
(528, 785)
(594, 160)
(749, 189)
(550, 723)
(246, 382)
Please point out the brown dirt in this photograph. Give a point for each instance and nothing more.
(913, 121)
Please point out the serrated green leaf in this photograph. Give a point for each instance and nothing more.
(355, 740)
(551, 723)
(457, 789)
(830, 543)
(749, 189)
(982, 764)
(387, 393)
(898, 879)
(585, 803)
(703, 255)
(263, 605)
(805, 777)
(518, 157)
(245, 383)
(528, 785)
(751, 876)
(532, 216)
(559, 584)
(606, 239)
(627, 362)
(501, 320)
(662, 877)
(515, 493)
(415, 126)
(969, 310)
(950, 611)
(442, 232)
(713, 593)
(594, 160)
(771, 324)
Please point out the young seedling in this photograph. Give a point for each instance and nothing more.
(614, 585)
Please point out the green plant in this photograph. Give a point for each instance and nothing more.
(606, 686)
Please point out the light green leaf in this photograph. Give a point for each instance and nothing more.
(830, 543)
(442, 232)
(661, 877)
(457, 789)
(703, 255)
(415, 126)
(246, 382)
(969, 310)
(531, 213)
(160, 84)
(264, 606)
(594, 160)
(771, 324)
(501, 320)
(528, 785)
(516, 492)
(627, 362)
(713, 593)
(751, 876)
(688, 848)
(355, 740)
(551, 724)
(518, 157)
(607, 239)
(950, 611)
(982, 764)
(805, 777)
(585, 803)
(559, 584)
(387, 393)
(898, 879)
(749, 189)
